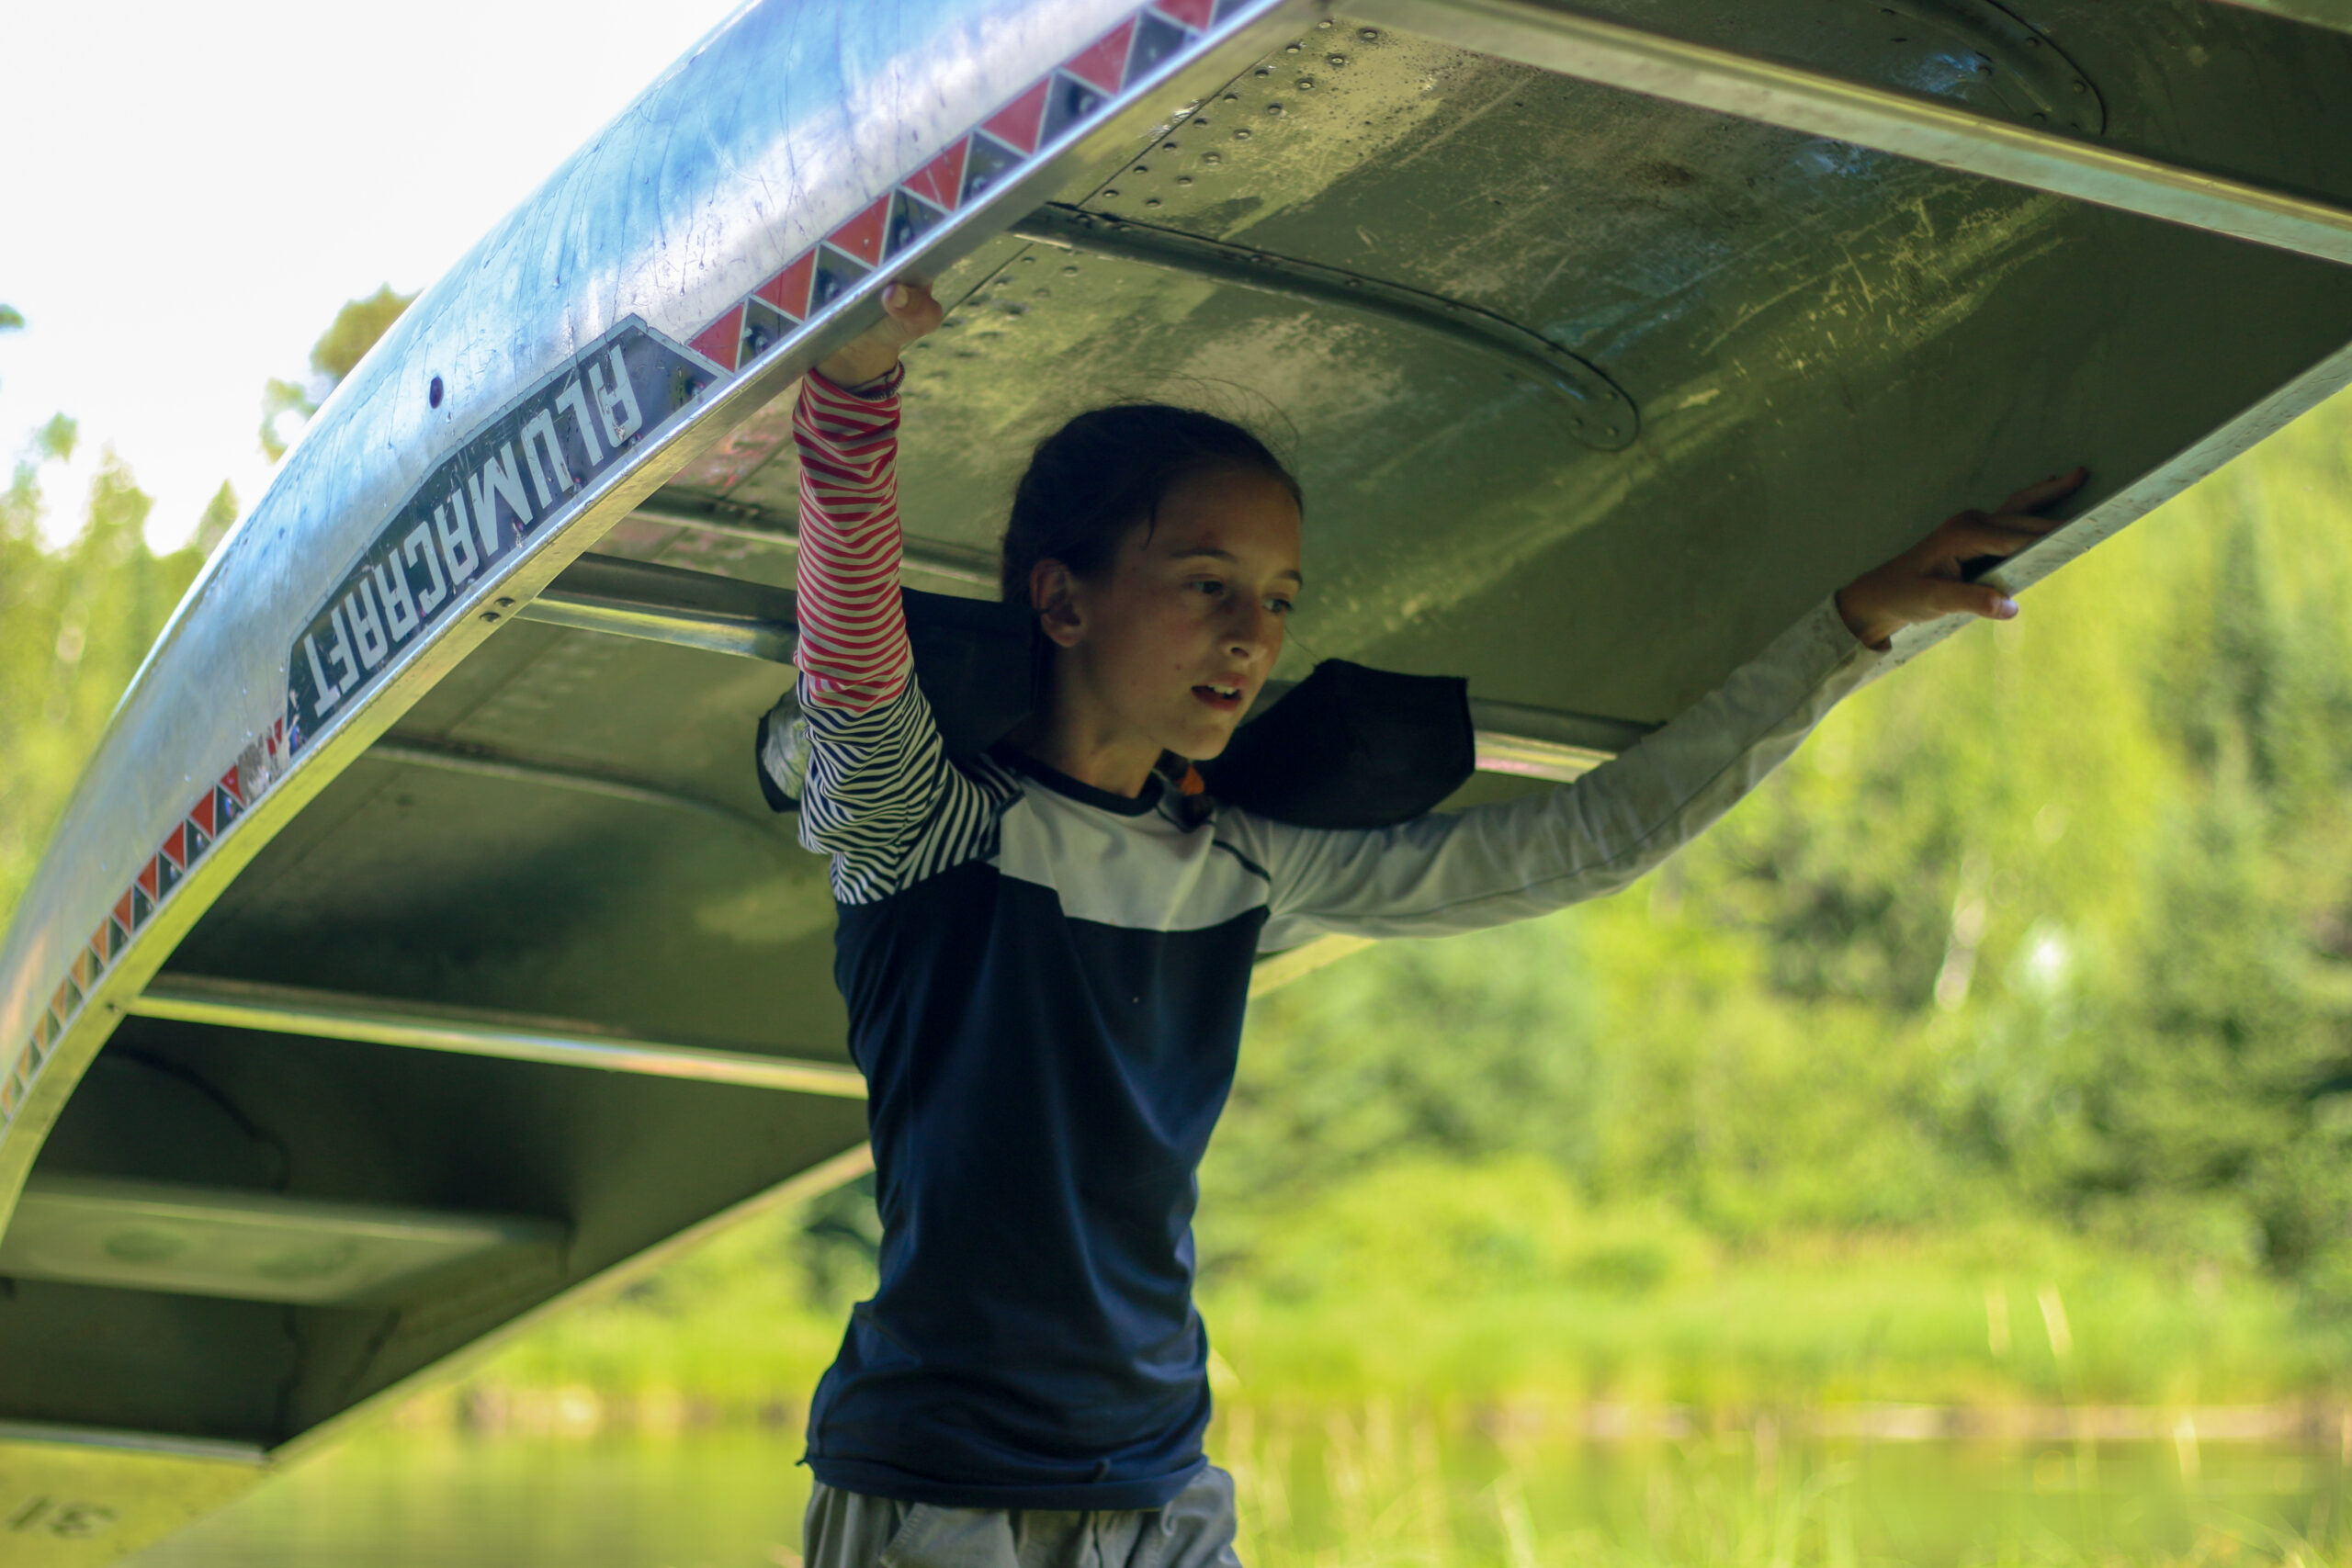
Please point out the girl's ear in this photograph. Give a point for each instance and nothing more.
(1053, 593)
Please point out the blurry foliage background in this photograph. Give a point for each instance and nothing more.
(1995, 1050)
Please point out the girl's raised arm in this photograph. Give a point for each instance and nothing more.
(1493, 863)
(852, 652)
(878, 786)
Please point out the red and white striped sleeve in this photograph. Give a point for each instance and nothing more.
(854, 655)
(863, 757)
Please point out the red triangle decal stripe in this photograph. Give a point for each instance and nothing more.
(176, 846)
(861, 235)
(1104, 64)
(940, 181)
(122, 913)
(228, 783)
(722, 339)
(1191, 13)
(203, 816)
(789, 289)
(1017, 124)
(147, 881)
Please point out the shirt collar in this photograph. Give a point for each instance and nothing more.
(1061, 784)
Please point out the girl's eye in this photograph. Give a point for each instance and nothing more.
(1279, 606)
(1205, 585)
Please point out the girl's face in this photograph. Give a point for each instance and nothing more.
(1166, 650)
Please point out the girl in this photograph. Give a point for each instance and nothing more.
(1046, 952)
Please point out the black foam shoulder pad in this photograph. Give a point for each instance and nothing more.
(1351, 747)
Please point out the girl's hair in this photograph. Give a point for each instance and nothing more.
(1109, 470)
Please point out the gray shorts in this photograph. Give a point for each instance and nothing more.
(849, 1529)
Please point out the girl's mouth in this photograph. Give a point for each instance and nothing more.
(1225, 699)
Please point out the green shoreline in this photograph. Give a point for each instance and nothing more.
(499, 1408)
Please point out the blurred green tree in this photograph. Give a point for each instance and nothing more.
(74, 624)
(286, 406)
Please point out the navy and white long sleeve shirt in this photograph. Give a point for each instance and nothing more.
(1046, 985)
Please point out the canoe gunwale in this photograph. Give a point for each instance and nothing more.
(1552, 38)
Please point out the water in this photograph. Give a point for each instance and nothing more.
(1345, 1488)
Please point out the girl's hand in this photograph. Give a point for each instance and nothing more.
(1924, 583)
(908, 312)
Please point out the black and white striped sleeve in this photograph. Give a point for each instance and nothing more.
(884, 802)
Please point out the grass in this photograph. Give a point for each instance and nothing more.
(1494, 1286)
(1874, 1321)
(1381, 1484)
(1375, 1483)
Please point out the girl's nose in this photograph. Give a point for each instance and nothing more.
(1255, 628)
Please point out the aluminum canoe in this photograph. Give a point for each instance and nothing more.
(417, 957)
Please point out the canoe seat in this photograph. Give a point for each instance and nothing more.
(262, 1246)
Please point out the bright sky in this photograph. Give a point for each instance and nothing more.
(194, 190)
